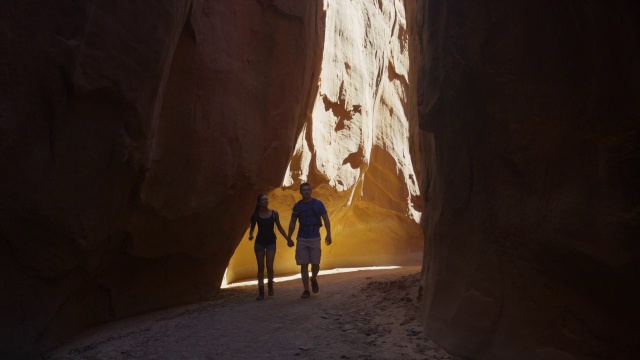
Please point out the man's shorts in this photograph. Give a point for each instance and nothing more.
(262, 247)
(308, 251)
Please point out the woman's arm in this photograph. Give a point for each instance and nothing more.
(281, 229)
(253, 226)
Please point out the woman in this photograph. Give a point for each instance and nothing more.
(266, 241)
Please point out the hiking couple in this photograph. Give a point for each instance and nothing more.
(311, 213)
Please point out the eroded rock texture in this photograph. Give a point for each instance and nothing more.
(358, 146)
(131, 136)
(532, 216)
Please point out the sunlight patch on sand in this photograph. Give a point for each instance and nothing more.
(297, 276)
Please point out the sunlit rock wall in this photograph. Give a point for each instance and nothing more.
(131, 137)
(532, 219)
(357, 148)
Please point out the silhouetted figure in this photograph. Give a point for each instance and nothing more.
(310, 213)
(266, 240)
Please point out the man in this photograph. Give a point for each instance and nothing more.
(311, 213)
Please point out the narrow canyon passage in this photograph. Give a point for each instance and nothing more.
(495, 143)
(367, 314)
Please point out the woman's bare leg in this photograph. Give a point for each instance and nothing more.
(260, 259)
(271, 255)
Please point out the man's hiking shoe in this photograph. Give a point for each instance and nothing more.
(314, 286)
(305, 294)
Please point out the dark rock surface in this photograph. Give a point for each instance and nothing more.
(533, 212)
(126, 130)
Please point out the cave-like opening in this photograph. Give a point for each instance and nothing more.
(359, 145)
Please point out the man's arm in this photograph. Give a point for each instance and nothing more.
(327, 225)
(292, 225)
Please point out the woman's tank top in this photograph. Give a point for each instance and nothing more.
(266, 233)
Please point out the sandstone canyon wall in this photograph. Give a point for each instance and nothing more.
(532, 219)
(131, 136)
(357, 147)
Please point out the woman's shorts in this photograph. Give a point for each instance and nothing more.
(262, 247)
(308, 251)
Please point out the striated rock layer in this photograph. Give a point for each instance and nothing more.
(131, 137)
(532, 219)
(358, 146)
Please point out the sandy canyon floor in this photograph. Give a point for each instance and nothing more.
(369, 314)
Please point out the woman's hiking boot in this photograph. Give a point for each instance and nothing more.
(260, 292)
(270, 285)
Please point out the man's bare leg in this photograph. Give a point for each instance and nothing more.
(315, 269)
(304, 275)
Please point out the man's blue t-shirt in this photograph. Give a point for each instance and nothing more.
(309, 223)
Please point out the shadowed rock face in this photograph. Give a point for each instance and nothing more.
(532, 215)
(131, 136)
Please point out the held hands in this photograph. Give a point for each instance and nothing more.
(327, 240)
(290, 242)
(250, 237)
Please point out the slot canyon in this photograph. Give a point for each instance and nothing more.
(496, 144)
